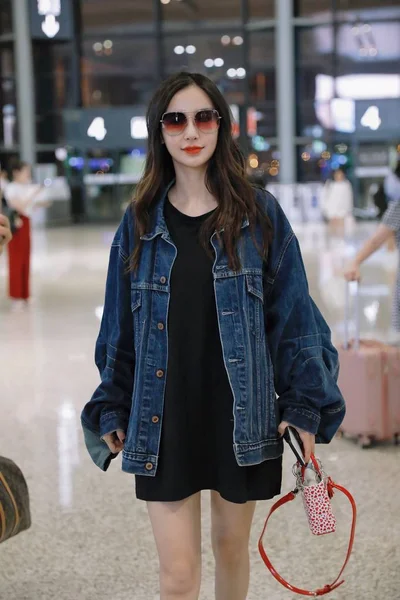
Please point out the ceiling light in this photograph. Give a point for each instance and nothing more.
(108, 44)
(165, 1)
(225, 40)
(238, 40)
(190, 49)
(231, 73)
(218, 62)
(98, 47)
(241, 72)
(179, 49)
(209, 63)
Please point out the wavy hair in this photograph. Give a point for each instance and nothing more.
(225, 176)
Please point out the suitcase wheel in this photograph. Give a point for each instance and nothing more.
(365, 441)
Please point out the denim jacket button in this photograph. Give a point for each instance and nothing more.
(160, 326)
(160, 373)
(149, 466)
(163, 279)
(155, 419)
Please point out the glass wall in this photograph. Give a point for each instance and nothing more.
(345, 51)
(350, 56)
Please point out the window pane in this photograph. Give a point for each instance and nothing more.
(116, 90)
(207, 54)
(201, 13)
(311, 8)
(263, 165)
(5, 17)
(261, 123)
(372, 47)
(261, 9)
(6, 60)
(110, 74)
(314, 44)
(118, 16)
(49, 127)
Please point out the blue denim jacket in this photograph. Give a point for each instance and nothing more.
(276, 346)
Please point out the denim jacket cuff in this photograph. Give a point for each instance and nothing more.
(302, 418)
(111, 421)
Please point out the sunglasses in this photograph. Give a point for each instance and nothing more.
(206, 121)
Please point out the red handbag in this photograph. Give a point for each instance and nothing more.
(316, 499)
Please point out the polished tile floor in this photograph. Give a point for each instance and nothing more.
(91, 538)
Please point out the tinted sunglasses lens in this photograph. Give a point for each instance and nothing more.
(174, 122)
(207, 121)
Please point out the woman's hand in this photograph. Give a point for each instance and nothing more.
(308, 440)
(352, 272)
(115, 440)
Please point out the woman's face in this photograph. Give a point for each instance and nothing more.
(195, 144)
(339, 176)
(23, 175)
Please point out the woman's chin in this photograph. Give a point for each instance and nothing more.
(193, 162)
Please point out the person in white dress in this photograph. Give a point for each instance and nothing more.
(23, 197)
(337, 201)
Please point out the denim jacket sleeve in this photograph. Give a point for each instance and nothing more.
(305, 362)
(110, 405)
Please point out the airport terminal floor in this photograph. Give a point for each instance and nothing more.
(90, 537)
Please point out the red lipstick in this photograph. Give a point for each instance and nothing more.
(193, 149)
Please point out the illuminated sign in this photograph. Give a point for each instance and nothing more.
(122, 127)
(51, 19)
(371, 118)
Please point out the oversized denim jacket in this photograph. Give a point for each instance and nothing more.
(277, 348)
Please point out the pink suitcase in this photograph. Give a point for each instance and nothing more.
(369, 380)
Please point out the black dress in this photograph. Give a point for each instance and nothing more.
(196, 450)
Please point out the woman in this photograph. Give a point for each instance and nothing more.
(337, 201)
(23, 197)
(214, 304)
(389, 227)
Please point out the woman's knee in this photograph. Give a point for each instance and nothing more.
(180, 576)
(230, 548)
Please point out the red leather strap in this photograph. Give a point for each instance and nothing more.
(336, 583)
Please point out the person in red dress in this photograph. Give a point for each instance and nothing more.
(23, 197)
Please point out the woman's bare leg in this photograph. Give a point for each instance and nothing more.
(177, 531)
(231, 526)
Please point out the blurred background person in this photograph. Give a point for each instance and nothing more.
(392, 184)
(23, 197)
(337, 201)
(391, 188)
(389, 226)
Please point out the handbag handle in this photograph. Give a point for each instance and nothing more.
(346, 343)
(288, 498)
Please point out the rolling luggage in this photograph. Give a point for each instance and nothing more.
(369, 380)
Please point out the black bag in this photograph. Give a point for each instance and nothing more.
(380, 200)
(15, 514)
(12, 215)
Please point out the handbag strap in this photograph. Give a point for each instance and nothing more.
(336, 583)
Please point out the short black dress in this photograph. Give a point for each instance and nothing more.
(196, 450)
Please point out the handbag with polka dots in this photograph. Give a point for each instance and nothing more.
(316, 491)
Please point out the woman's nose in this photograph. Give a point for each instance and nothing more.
(191, 130)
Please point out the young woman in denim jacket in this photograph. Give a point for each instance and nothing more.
(209, 343)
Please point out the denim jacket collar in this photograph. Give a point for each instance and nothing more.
(159, 226)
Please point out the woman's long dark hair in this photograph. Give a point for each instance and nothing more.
(225, 178)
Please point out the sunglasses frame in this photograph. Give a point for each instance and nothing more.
(194, 112)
